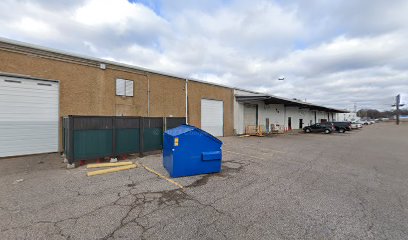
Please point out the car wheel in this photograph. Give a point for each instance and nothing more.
(327, 131)
(307, 130)
(341, 130)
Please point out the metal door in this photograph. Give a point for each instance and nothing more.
(212, 117)
(28, 116)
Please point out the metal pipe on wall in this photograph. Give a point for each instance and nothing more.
(148, 96)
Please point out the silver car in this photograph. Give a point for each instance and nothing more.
(356, 125)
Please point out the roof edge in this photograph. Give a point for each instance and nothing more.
(100, 60)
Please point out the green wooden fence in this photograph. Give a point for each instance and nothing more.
(92, 137)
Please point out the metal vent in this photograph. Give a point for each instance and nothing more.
(44, 84)
(12, 81)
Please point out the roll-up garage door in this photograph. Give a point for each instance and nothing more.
(250, 115)
(212, 117)
(28, 116)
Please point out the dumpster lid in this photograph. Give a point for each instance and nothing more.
(182, 129)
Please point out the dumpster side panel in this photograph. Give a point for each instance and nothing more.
(212, 156)
(188, 155)
(168, 153)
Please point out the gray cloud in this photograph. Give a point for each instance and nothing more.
(332, 52)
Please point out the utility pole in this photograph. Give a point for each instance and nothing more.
(397, 105)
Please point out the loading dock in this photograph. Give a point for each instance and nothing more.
(279, 114)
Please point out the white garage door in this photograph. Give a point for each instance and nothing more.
(249, 115)
(212, 117)
(28, 116)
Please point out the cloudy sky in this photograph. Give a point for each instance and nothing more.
(338, 53)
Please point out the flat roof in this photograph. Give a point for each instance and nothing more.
(270, 98)
(108, 62)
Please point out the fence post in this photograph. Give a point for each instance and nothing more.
(164, 128)
(63, 137)
(141, 137)
(113, 119)
(164, 124)
(71, 150)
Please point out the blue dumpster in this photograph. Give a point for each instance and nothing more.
(190, 151)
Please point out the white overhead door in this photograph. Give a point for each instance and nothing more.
(212, 117)
(249, 115)
(28, 116)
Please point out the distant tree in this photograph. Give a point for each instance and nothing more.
(388, 114)
(374, 113)
(404, 111)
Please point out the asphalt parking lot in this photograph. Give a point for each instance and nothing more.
(301, 186)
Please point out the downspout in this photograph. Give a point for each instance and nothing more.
(186, 89)
(148, 96)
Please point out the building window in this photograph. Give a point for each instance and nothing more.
(124, 87)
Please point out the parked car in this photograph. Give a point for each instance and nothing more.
(356, 125)
(320, 127)
(365, 122)
(342, 127)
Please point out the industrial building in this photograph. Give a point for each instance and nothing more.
(276, 113)
(349, 117)
(38, 86)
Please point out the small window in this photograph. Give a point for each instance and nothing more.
(129, 88)
(124, 87)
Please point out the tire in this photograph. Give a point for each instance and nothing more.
(307, 130)
(342, 130)
(327, 131)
